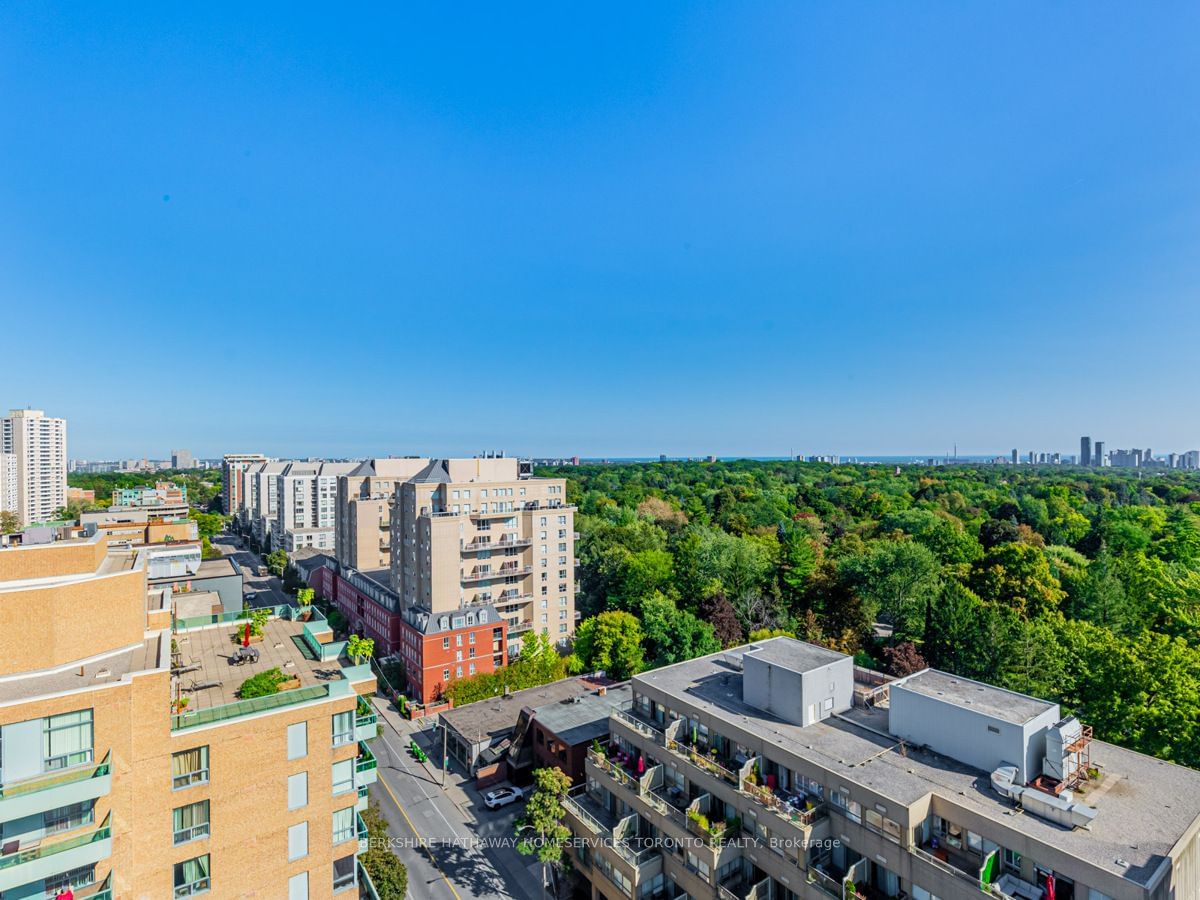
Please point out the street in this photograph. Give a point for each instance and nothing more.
(455, 848)
(268, 589)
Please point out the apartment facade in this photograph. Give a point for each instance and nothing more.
(260, 499)
(306, 504)
(38, 443)
(233, 466)
(364, 511)
(114, 787)
(162, 493)
(779, 770)
(471, 532)
(10, 495)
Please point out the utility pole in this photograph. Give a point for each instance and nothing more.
(445, 757)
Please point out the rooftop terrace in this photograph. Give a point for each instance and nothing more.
(1144, 804)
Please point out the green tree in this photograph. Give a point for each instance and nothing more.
(359, 648)
(277, 561)
(897, 581)
(611, 641)
(673, 635)
(1018, 576)
(9, 523)
(388, 874)
(541, 832)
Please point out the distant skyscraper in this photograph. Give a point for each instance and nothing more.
(1098, 455)
(1014, 456)
(40, 447)
(1085, 451)
(182, 459)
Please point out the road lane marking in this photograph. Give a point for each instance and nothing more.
(420, 838)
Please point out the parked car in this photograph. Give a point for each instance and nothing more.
(502, 797)
(263, 572)
(250, 595)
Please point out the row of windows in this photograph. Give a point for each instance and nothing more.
(193, 877)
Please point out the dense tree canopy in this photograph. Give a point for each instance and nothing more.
(1078, 585)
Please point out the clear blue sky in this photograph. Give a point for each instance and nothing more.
(625, 230)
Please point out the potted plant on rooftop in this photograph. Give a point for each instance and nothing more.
(358, 648)
(304, 597)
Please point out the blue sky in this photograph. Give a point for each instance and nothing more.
(607, 230)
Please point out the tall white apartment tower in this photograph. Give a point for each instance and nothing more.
(39, 444)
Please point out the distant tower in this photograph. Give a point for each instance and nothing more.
(1085, 451)
(1098, 459)
(1014, 456)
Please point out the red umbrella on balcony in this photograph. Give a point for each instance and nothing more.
(1050, 886)
(641, 765)
(246, 636)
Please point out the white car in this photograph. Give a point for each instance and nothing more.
(502, 797)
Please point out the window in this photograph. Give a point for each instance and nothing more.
(297, 790)
(189, 767)
(343, 825)
(192, 877)
(191, 822)
(67, 817)
(343, 776)
(343, 873)
(74, 878)
(343, 728)
(297, 740)
(67, 739)
(298, 886)
(297, 841)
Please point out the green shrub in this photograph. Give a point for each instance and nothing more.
(262, 684)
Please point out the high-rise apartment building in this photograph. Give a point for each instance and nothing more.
(471, 532)
(1085, 451)
(1098, 457)
(306, 505)
(259, 499)
(233, 466)
(10, 495)
(364, 513)
(39, 444)
(182, 459)
(778, 771)
(130, 767)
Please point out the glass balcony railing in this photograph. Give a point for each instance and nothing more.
(364, 715)
(366, 759)
(53, 779)
(180, 721)
(42, 851)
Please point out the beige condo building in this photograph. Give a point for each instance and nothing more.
(364, 511)
(33, 476)
(130, 767)
(469, 532)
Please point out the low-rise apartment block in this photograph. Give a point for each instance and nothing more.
(131, 767)
(471, 532)
(779, 770)
(163, 493)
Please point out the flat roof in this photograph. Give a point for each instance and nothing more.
(98, 671)
(1008, 706)
(1144, 805)
(211, 649)
(495, 717)
(579, 722)
(794, 655)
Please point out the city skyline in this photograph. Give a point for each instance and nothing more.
(707, 231)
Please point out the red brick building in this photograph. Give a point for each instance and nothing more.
(436, 648)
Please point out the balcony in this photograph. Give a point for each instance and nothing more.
(366, 888)
(51, 790)
(502, 544)
(46, 859)
(519, 627)
(364, 837)
(516, 598)
(491, 575)
(364, 799)
(366, 765)
(365, 721)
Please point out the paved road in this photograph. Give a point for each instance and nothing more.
(268, 589)
(455, 848)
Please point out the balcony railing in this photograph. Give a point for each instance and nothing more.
(573, 803)
(53, 779)
(502, 572)
(637, 724)
(475, 546)
(239, 708)
(20, 857)
(366, 761)
(364, 715)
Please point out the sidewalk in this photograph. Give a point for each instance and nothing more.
(493, 861)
